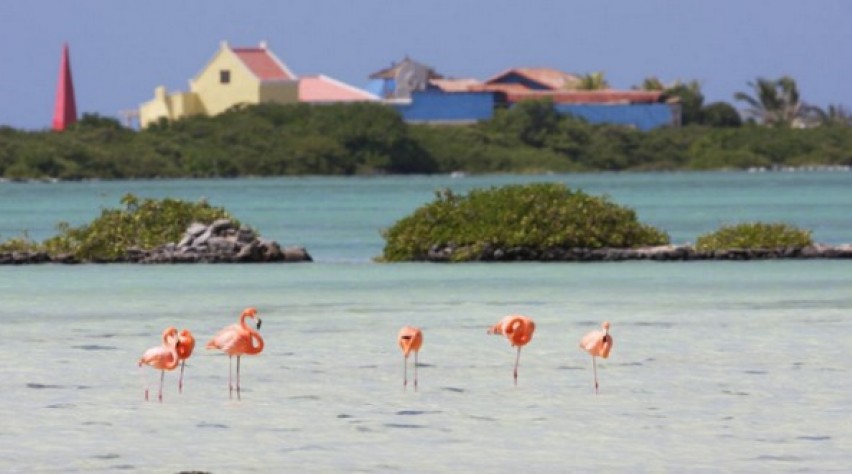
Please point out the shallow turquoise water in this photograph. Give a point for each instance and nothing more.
(732, 366)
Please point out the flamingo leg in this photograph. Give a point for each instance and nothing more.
(404, 372)
(517, 361)
(230, 371)
(180, 382)
(415, 371)
(595, 370)
(238, 377)
(162, 376)
(145, 384)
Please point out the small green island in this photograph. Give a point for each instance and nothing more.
(153, 231)
(550, 222)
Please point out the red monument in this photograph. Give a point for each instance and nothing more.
(65, 109)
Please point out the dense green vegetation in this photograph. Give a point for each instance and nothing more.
(754, 236)
(269, 140)
(539, 216)
(143, 224)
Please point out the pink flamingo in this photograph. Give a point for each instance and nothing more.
(238, 340)
(184, 350)
(597, 344)
(163, 357)
(409, 339)
(518, 330)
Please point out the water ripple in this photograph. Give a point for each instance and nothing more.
(652, 324)
(418, 412)
(401, 425)
(95, 347)
(304, 397)
(482, 418)
(307, 447)
(787, 458)
(204, 424)
(43, 385)
(106, 456)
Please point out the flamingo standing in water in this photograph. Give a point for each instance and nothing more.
(597, 344)
(518, 330)
(184, 350)
(163, 357)
(238, 340)
(409, 339)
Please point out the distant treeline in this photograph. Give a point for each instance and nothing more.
(359, 139)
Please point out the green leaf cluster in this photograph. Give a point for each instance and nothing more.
(540, 216)
(141, 223)
(367, 139)
(754, 236)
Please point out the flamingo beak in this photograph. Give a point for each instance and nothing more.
(258, 323)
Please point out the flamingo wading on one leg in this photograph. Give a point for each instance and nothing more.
(597, 344)
(518, 330)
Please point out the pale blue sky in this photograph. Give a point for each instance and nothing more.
(122, 50)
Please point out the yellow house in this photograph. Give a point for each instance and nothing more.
(234, 76)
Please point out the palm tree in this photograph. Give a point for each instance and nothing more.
(592, 82)
(687, 93)
(775, 102)
(833, 115)
(652, 83)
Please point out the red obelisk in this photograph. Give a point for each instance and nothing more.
(65, 109)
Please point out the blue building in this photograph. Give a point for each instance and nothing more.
(422, 95)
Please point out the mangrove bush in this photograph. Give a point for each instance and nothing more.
(141, 223)
(754, 236)
(535, 216)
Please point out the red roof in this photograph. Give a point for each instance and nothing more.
(263, 64)
(548, 77)
(321, 88)
(603, 96)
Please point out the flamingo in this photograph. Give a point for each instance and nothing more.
(184, 350)
(597, 344)
(518, 330)
(409, 339)
(163, 357)
(238, 340)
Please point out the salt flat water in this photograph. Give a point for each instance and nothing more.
(717, 366)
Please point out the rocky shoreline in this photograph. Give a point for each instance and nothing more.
(665, 253)
(219, 242)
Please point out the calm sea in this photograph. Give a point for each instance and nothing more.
(717, 366)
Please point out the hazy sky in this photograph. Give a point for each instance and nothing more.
(122, 50)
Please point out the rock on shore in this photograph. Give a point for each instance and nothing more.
(660, 253)
(219, 242)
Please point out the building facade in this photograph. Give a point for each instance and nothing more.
(234, 76)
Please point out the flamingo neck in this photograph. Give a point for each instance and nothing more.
(174, 352)
(169, 332)
(254, 336)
